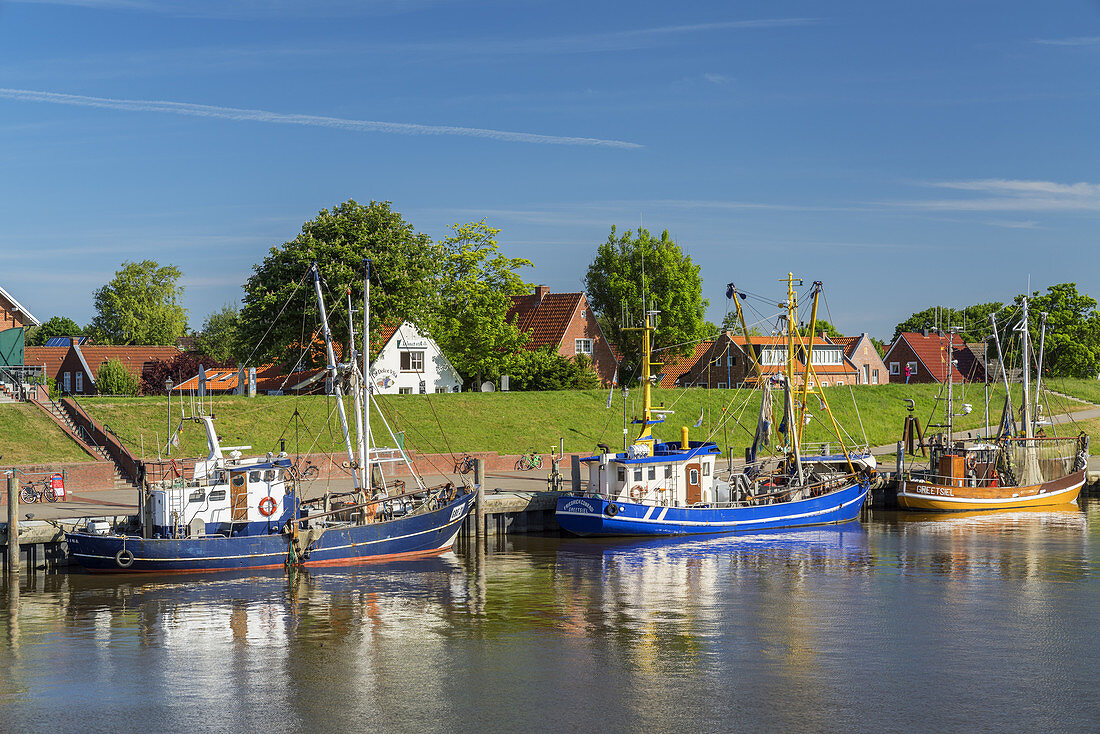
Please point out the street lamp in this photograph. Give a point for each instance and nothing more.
(168, 387)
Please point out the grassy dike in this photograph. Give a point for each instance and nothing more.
(508, 423)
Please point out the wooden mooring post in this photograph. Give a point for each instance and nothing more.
(479, 508)
(13, 525)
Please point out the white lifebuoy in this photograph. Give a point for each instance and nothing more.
(267, 506)
(637, 492)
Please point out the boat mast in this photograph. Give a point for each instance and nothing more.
(794, 431)
(1029, 430)
(645, 437)
(748, 340)
(331, 367)
(367, 380)
(950, 383)
(354, 372)
(1039, 363)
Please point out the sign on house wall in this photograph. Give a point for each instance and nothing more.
(411, 363)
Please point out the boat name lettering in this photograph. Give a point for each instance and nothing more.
(578, 506)
(945, 491)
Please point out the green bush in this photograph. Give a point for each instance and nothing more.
(114, 379)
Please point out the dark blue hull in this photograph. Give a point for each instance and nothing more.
(586, 515)
(421, 534)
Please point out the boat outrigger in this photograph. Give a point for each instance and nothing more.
(672, 487)
(1003, 471)
(237, 513)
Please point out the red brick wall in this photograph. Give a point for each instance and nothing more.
(866, 354)
(587, 328)
(90, 475)
(903, 354)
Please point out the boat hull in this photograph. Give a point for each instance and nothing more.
(421, 534)
(591, 515)
(929, 496)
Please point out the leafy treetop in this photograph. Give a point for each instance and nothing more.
(140, 305)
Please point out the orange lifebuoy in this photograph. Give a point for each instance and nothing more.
(268, 505)
(637, 492)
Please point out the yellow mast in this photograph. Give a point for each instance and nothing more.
(794, 431)
(645, 437)
(748, 340)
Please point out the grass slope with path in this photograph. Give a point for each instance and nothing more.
(29, 436)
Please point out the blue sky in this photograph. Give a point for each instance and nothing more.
(906, 154)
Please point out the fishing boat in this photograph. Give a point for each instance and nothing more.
(247, 513)
(674, 488)
(1012, 469)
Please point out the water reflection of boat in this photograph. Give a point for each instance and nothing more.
(1008, 519)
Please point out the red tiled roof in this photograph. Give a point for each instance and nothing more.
(544, 321)
(52, 357)
(133, 358)
(932, 352)
(848, 342)
(676, 368)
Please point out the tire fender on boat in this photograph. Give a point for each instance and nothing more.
(124, 558)
(267, 506)
(612, 510)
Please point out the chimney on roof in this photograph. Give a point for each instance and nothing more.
(541, 292)
(925, 332)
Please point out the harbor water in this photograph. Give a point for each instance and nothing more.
(903, 622)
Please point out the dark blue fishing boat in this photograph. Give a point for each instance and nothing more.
(241, 513)
(672, 488)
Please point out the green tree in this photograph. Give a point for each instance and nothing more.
(476, 283)
(141, 305)
(673, 286)
(402, 286)
(545, 369)
(1072, 345)
(822, 325)
(114, 379)
(972, 321)
(56, 326)
(219, 337)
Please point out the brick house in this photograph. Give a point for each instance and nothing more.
(12, 313)
(724, 362)
(76, 374)
(861, 352)
(925, 355)
(564, 321)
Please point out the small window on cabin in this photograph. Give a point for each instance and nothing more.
(638, 474)
(238, 480)
(622, 474)
(197, 496)
(254, 476)
(706, 468)
(668, 471)
(269, 475)
(693, 476)
(652, 474)
(217, 495)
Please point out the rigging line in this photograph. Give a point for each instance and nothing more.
(277, 317)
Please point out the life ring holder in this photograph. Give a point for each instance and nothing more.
(637, 492)
(124, 558)
(267, 506)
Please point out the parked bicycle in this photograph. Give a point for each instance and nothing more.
(306, 473)
(530, 460)
(36, 491)
(464, 465)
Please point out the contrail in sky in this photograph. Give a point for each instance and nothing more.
(234, 113)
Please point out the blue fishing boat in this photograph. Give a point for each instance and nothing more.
(657, 488)
(235, 512)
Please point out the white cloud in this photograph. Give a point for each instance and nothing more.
(717, 78)
(233, 113)
(1078, 41)
(1013, 195)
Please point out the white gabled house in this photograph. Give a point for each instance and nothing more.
(411, 363)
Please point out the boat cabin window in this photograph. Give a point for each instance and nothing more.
(238, 480)
(254, 477)
(706, 468)
(638, 474)
(197, 496)
(668, 471)
(652, 472)
(693, 476)
(622, 474)
(217, 495)
(269, 475)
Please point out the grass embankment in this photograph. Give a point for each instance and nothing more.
(509, 423)
(28, 436)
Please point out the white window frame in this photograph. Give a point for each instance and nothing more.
(67, 382)
(874, 377)
(79, 382)
(895, 368)
(415, 357)
(582, 346)
(404, 391)
(912, 368)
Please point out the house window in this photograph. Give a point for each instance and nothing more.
(584, 314)
(721, 385)
(912, 368)
(412, 361)
(895, 368)
(80, 382)
(839, 383)
(441, 390)
(67, 382)
(404, 391)
(582, 346)
(824, 383)
(874, 377)
(730, 360)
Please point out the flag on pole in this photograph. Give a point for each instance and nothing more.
(700, 421)
(611, 392)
